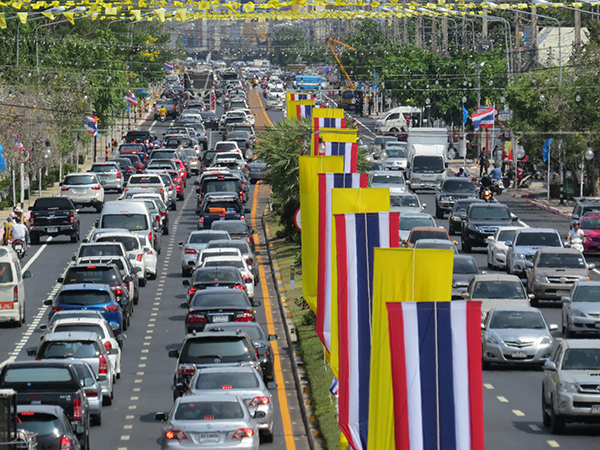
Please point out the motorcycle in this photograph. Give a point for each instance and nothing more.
(577, 244)
(486, 194)
(19, 247)
(497, 187)
(163, 116)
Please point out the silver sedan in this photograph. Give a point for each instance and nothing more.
(197, 241)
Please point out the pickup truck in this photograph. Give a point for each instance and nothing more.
(220, 206)
(53, 216)
(60, 386)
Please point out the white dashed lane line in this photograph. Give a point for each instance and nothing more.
(502, 399)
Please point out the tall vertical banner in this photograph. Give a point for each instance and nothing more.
(332, 135)
(357, 237)
(436, 373)
(310, 167)
(327, 182)
(344, 201)
(423, 275)
(329, 113)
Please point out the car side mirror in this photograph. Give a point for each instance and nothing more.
(96, 223)
(515, 218)
(114, 326)
(197, 190)
(129, 278)
(60, 279)
(47, 302)
(43, 327)
(27, 274)
(32, 352)
(160, 417)
(565, 299)
(247, 210)
(508, 243)
(591, 266)
(256, 303)
(491, 239)
(273, 337)
(180, 243)
(173, 353)
(73, 258)
(531, 296)
(79, 429)
(30, 208)
(465, 295)
(482, 325)
(103, 183)
(550, 365)
(113, 351)
(528, 264)
(196, 183)
(121, 337)
(553, 327)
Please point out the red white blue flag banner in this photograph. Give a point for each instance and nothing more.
(298, 97)
(325, 122)
(436, 373)
(327, 182)
(357, 236)
(349, 150)
(131, 99)
(484, 119)
(305, 110)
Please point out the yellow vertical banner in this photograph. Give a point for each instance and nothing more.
(344, 201)
(310, 167)
(328, 113)
(291, 107)
(403, 274)
(3, 24)
(333, 135)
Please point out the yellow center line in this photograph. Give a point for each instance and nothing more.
(264, 111)
(281, 392)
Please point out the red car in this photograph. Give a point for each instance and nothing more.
(590, 224)
(182, 170)
(137, 159)
(179, 187)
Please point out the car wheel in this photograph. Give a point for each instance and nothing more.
(124, 324)
(439, 213)
(99, 208)
(490, 266)
(87, 441)
(545, 415)
(143, 281)
(567, 334)
(485, 365)
(557, 423)
(266, 437)
(107, 400)
(35, 237)
(466, 247)
(96, 420)
(186, 272)
(174, 206)
(394, 130)
(534, 302)
(136, 299)
(23, 316)
(75, 237)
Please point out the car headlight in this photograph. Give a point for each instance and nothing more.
(491, 339)
(520, 256)
(456, 218)
(577, 312)
(541, 279)
(567, 387)
(473, 227)
(546, 340)
(444, 199)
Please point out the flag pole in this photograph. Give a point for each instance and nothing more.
(548, 176)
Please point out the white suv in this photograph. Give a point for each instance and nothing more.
(12, 292)
(84, 189)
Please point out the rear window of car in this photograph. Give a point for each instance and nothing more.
(52, 204)
(226, 147)
(145, 180)
(92, 274)
(230, 262)
(207, 276)
(219, 186)
(69, 349)
(6, 273)
(230, 226)
(539, 239)
(199, 411)
(83, 298)
(222, 208)
(100, 250)
(204, 238)
(76, 180)
(89, 327)
(227, 347)
(104, 168)
(42, 424)
(131, 222)
(129, 242)
(36, 374)
(242, 246)
(226, 381)
(232, 297)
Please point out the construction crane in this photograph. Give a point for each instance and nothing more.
(329, 42)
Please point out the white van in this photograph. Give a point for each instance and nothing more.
(12, 292)
(393, 120)
(133, 216)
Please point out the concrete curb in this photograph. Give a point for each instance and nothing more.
(551, 209)
(300, 379)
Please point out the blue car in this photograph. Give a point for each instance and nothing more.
(96, 297)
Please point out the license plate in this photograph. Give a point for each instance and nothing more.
(595, 409)
(6, 305)
(563, 293)
(208, 437)
(519, 355)
(52, 230)
(220, 319)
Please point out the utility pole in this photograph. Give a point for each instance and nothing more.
(484, 25)
(464, 34)
(434, 42)
(534, 37)
(405, 32)
(444, 36)
(577, 18)
(517, 65)
(418, 27)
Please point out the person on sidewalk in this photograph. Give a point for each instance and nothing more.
(370, 104)
(7, 230)
(483, 164)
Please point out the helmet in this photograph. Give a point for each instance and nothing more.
(10, 219)
(18, 219)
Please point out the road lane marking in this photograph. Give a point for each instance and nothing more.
(553, 444)
(518, 413)
(36, 254)
(264, 111)
(534, 427)
(488, 386)
(502, 399)
(281, 390)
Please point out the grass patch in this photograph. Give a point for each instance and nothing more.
(311, 349)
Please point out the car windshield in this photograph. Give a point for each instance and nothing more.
(99, 250)
(427, 234)
(408, 223)
(428, 164)
(388, 179)
(145, 180)
(229, 262)
(501, 289)
(590, 223)
(241, 245)
(219, 186)
(131, 222)
(232, 348)
(404, 200)
(205, 238)
(52, 204)
(89, 327)
(557, 260)
(104, 168)
(216, 275)
(489, 213)
(465, 266)
(581, 359)
(199, 411)
(459, 186)
(227, 380)
(537, 239)
(91, 274)
(517, 319)
(506, 235)
(76, 180)
(436, 245)
(233, 297)
(396, 152)
(586, 294)
(461, 205)
(231, 226)
(129, 242)
(70, 349)
(41, 424)
(6, 273)
(83, 298)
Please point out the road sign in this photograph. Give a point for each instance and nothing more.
(504, 116)
(297, 220)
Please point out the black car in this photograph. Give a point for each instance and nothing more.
(219, 305)
(463, 271)
(451, 190)
(458, 213)
(205, 349)
(482, 220)
(53, 216)
(212, 277)
(210, 119)
(237, 229)
(261, 341)
(50, 426)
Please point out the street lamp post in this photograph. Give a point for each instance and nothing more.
(589, 155)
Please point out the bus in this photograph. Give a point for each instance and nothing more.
(308, 83)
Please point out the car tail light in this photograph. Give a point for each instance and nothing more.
(239, 286)
(243, 433)
(250, 240)
(242, 218)
(118, 175)
(31, 220)
(242, 196)
(129, 170)
(247, 279)
(186, 369)
(150, 236)
(163, 214)
(194, 317)
(158, 218)
(111, 308)
(139, 257)
(201, 220)
(72, 217)
(190, 251)
(58, 308)
(257, 401)
(246, 316)
(175, 435)
(117, 290)
(77, 411)
(103, 370)
(192, 291)
(162, 191)
(65, 443)
(108, 346)
(91, 394)
(64, 188)
(171, 187)
(16, 294)
(96, 188)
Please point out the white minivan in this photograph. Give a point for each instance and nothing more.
(12, 292)
(132, 216)
(395, 119)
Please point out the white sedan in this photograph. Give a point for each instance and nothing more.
(497, 248)
(236, 261)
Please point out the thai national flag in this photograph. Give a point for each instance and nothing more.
(131, 99)
(484, 119)
(18, 143)
(304, 111)
(298, 97)
(90, 123)
(168, 67)
(357, 236)
(436, 373)
(322, 122)
(327, 182)
(349, 150)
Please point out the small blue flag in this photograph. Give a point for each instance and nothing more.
(465, 114)
(546, 150)
(2, 162)
(374, 74)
